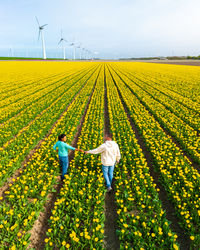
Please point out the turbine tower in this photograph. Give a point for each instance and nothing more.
(85, 53)
(73, 44)
(11, 51)
(62, 40)
(42, 36)
(80, 51)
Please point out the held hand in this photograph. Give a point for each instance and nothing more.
(80, 150)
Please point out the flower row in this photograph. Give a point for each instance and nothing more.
(16, 151)
(164, 96)
(14, 126)
(77, 219)
(179, 178)
(28, 193)
(142, 221)
(184, 133)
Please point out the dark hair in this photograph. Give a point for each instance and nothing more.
(109, 135)
(61, 136)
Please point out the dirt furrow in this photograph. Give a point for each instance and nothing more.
(111, 240)
(24, 86)
(182, 239)
(18, 172)
(38, 83)
(76, 74)
(36, 117)
(174, 99)
(191, 160)
(40, 227)
(156, 99)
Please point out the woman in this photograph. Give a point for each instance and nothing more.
(63, 153)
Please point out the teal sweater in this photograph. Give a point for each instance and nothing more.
(62, 148)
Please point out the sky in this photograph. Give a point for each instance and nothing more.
(110, 28)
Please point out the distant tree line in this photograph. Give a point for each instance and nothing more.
(193, 57)
(164, 58)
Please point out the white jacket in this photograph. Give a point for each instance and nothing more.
(109, 151)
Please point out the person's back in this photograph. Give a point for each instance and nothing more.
(110, 155)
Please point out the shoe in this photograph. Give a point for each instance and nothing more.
(109, 189)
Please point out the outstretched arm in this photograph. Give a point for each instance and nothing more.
(69, 147)
(72, 148)
(118, 156)
(80, 150)
(98, 150)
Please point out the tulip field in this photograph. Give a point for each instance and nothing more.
(153, 112)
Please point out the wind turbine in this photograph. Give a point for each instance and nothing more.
(62, 40)
(42, 36)
(73, 44)
(11, 51)
(87, 54)
(83, 53)
(80, 51)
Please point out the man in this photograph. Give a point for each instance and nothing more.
(110, 155)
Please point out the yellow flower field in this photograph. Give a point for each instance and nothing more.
(153, 112)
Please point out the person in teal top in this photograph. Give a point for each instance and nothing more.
(62, 149)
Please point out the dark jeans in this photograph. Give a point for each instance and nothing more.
(63, 165)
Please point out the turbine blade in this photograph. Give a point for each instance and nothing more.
(60, 41)
(37, 21)
(43, 25)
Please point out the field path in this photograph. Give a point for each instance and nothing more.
(19, 171)
(176, 139)
(111, 240)
(183, 239)
(40, 227)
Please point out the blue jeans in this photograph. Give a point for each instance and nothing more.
(108, 174)
(64, 165)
